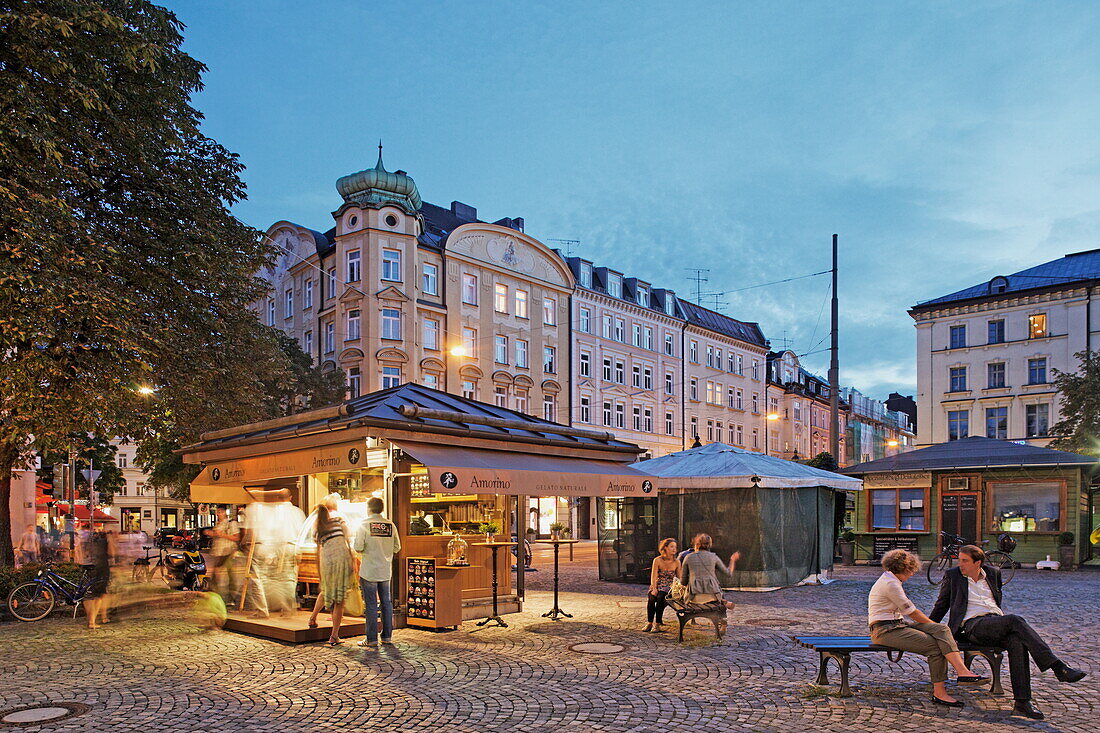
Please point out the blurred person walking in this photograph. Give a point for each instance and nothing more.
(30, 546)
(226, 536)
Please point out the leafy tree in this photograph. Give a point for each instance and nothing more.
(825, 461)
(100, 454)
(120, 262)
(1079, 429)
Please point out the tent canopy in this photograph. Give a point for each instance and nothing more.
(721, 466)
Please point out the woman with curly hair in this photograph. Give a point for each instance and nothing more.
(887, 605)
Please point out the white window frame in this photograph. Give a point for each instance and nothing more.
(521, 354)
(430, 334)
(521, 303)
(353, 265)
(390, 322)
(429, 278)
(391, 265)
(354, 323)
(307, 294)
(469, 288)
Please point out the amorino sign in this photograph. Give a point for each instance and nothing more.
(343, 457)
(459, 480)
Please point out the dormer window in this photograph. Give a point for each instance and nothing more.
(670, 304)
(998, 284)
(586, 275)
(614, 285)
(643, 296)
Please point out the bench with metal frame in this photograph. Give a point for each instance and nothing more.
(715, 611)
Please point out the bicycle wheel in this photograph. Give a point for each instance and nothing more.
(31, 601)
(939, 565)
(1003, 562)
(159, 574)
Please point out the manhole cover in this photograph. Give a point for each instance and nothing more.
(597, 647)
(770, 622)
(38, 714)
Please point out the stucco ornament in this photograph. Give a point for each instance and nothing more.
(506, 251)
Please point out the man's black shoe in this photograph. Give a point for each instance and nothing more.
(1027, 710)
(1069, 674)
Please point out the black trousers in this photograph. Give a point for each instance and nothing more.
(1020, 640)
(655, 609)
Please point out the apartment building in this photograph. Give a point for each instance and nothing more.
(987, 355)
(799, 410)
(874, 430)
(140, 508)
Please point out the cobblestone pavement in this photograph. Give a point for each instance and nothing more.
(158, 672)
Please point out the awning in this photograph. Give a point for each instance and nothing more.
(219, 494)
(454, 470)
(81, 513)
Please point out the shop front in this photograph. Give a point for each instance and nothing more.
(452, 473)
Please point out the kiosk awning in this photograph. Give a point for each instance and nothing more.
(455, 470)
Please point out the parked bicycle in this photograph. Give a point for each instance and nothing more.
(36, 599)
(183, 569)
(1000, 558)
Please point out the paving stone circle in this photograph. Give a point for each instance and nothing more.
(33, 715)
(597, 647)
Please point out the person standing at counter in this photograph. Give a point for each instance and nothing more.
(334, 563)
(378, 542)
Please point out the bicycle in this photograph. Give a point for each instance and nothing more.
(36, 599)
(145, 571)
(943, 562)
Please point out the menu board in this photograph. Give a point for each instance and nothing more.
(421, 486)
(421, 593)
(960, 515)
(881, 544)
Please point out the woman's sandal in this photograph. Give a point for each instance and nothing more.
(312, 624)
(335, 642)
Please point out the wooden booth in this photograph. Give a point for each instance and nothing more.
(443, 465)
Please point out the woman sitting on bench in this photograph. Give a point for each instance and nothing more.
(887, 604)
(699, 571)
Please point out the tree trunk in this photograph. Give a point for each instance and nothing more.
(8, 457)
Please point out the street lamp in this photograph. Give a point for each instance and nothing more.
(146, 391)
(773, 416)
(458, 351)
(892, 443)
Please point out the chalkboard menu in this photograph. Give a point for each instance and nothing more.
(421, 593)
(883, 543)
(960, 515)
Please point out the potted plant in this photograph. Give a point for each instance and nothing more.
(489, 529)
(847, 544)
(1066, 549)
(556, 529)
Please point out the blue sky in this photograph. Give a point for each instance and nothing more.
(944, 142)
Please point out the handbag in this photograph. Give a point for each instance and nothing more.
(678, 592)
(353, 597)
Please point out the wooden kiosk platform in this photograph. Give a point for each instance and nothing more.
(293, 628)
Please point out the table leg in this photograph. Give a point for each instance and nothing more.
(496, 615)
(555, 613)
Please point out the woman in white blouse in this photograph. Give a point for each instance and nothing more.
(887, 604)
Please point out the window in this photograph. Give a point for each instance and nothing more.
(996, 423)
(670, 382)
(584, 321)
(469, 389)
(620, 372)
(643, 296)
(549, 408)
(647, 378)
(431, 379)
(957, 378)
(670, 427)
(521, 400)
(1027, 507)
(958, 424)
(637, 418)
(717, 358)
(330, 337)
(429, 279)
(694, 393)
(549, 311)
(500, 349)
(469, 342)
(710, 356)
(614, 285)
(288, 303)
(549, 360)
(648, 341)
(1037, 371)
(620, 330)
(898, 509)
(391, 324)
(647, 420)
(608, 419)
(637, 329)
(693, 352)
(608, 327)
(731, 364)
(271, 312)
(740, 400)
(307, 298)
(391, 376)
(391, 265)
(500, 396)
(797, 411)
(332, 283)
(731, 397)
(740, 365)
(710, 431)
(307, 343)
(636, 376)
(958, 337)
(354, 331)
(585, 364)
(586, 274)
(1037, 326)
(668, 345)
(739, 436)
(710, 393)
(586, 409)
(469, 288)
(694, 427)
(500, 299)
(521, 353)
(355, 382)
(121, 460)
(755, 402)
(607, 369)
(430, 334)
(620, 415)
(521, 304)
(353, 265)
(996, 332)
(1037, 419)
(755, 369)
(996, 373)
(756, 438)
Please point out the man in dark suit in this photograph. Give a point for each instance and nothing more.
(971, 594)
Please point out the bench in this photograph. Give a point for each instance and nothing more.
(715, 611)
(841, 648)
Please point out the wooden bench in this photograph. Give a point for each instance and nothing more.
(841, 648)
(715, 611)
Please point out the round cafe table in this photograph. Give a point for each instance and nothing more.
(555, 613)
(494, 546)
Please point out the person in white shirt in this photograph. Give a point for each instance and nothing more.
(29, 546)
(887, 605)
(378, 542)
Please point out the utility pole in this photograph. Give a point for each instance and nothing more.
(70, 520)
(834, 371)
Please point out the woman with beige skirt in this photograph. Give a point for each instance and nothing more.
(887, 605)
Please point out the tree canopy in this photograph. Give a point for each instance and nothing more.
(1079, 429)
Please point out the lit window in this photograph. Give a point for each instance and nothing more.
(549, 311)
(391, 324)
(898, 509)
(500, 299)
(521, 304)
(353, 265)
(469, 342)
(1037, 326)
(353, 324)
(391, 265)
(429, 279)
(1027, 507)
(469, 288)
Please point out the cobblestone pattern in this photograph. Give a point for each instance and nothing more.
(157, 673)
